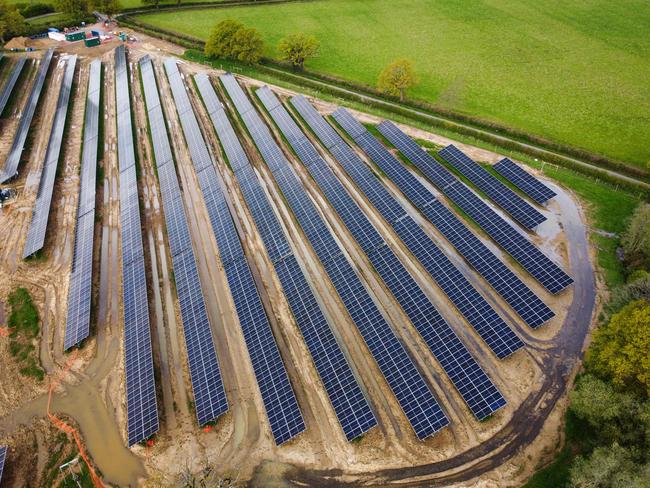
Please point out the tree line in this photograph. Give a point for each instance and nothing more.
(608, 422)
(230, 39)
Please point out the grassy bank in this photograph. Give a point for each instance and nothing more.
(24, 324)
(522, 65)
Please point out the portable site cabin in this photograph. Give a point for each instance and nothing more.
(92, 41)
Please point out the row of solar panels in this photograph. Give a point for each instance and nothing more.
(142, 410)
(350, 405)
(8, 87)
(15, 153)
(40, 215)
(3, 456)
(80, 291)
(209, 395)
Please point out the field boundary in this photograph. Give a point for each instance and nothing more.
(616, 172)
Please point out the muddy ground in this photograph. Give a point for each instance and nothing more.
(503, 451)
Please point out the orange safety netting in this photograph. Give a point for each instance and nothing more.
(61, 425)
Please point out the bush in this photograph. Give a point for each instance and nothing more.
(36, 9)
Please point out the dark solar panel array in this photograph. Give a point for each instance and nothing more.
(478, 312)
(77, 325)
(142, 410)
(549, 274)
(279, 398)
(8, 88)
(523, 180)
(413, 394)
(210, 399)
(3, 456)
(41, 213)
(511, 288)
(15, 153)
(467, 375)
(352, 409)
(503, 196)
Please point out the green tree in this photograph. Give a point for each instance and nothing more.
(297, 48)
(151, 2)
(73, 7)
(248, 45)
(11, 22)
(230, 39)
(397, 77)
(107, 7)
(221, 40)
(620, 347)
(609, 467)
(636, 238)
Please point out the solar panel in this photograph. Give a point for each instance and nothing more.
(352, 409)
(77, 325)
(279, 398)
(3, 456)
(8, 88)
(549, 274)
(511, 288)
(523, 180)
(40, 216)
(503, 196)
(142, 411)
(413, 394)
(463, 369)
(15, 153)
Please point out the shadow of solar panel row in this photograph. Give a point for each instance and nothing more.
(15, 153)
(279, 399)
(209, 395)
(512, 289)
(464, 371)
(41, 212)
(549, 274)
(352, 409)
(460, 291)
(3, 456)
(8, 87)
(412, 392)
(523, 180)
(79, 293)
(503, 196)
(142, 411)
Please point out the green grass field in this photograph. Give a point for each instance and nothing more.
(573, 72)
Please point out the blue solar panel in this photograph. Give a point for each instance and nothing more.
(523, 180)
(348, 401)
(8, 87)
(461, 367)
(142, 410)
(15, 153)
(503, 196)
(3, 456)
(531, 258)
(40, 216)
(77, 325)
(279, 398)
(416, 399)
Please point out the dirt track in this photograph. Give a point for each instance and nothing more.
(534, 381)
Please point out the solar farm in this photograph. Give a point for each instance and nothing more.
(234, 273)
